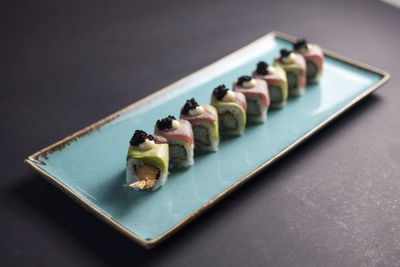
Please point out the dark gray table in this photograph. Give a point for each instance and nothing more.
(334, 201)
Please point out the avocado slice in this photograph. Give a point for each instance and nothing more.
(292, 67)
(157, 156)
(214, 126)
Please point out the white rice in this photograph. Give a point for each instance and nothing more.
(131, 177)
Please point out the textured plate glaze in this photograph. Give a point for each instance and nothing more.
(91, 168)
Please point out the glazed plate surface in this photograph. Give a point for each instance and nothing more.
(90, 165)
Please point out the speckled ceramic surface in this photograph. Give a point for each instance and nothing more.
(91, 168)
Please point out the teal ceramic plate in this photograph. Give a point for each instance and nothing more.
(90, 164)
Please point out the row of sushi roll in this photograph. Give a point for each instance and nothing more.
(199, 126)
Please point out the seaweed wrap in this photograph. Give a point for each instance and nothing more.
(295, 68)
(204, 121)
(231, 107)
(257, 97)
(147, 161)
(277, 83)
(179, 134)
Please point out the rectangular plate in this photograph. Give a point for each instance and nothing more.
(90, 164)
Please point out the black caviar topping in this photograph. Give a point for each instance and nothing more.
(165, 123)
(189, 105)
(139, 137)
(242, 79)
(300, 44)
(285, 53)
(262, 68)
(220, 91)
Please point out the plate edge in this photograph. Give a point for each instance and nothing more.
(89, 207)
(32, 160)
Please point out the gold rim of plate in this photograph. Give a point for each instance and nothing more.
(33, 161)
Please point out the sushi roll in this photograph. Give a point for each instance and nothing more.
(231, 107)
(147, 161)
(179, 134)
(257, 97)
(314, 57)
(204, 120)
(277, 83)
(295, 68)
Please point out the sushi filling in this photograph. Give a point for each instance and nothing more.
(228, 121)
(256, 110)
(180, 154)
(232, 120)
(201, 135)
(177, 152)
(205, 137)
(293, 83)
(141, 175)
(275, 93)
(147, 172)
(253, 108)
(312, 70)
